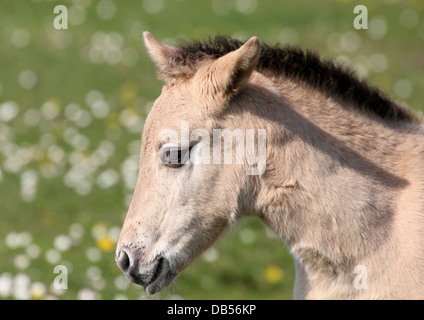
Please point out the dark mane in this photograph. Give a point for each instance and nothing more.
(331, 79)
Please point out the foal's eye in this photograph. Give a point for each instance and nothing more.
(174, 157)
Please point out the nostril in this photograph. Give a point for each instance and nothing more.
(123, 261)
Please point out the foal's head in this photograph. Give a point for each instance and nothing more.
(185, 195)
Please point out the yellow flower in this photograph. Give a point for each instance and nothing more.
(129, 93)
(112, 120)
(38, 291)
(273, 274)
(417, 4)
(105, 244)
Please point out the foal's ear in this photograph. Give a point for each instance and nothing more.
(161, 54)
(234, 69)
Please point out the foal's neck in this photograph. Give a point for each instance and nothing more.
(331, 181)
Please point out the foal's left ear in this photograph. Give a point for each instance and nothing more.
(234, 69)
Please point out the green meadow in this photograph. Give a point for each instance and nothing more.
(72, 108)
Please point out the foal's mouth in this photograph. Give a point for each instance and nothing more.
(160, 276)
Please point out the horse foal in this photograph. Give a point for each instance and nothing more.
(342, 180)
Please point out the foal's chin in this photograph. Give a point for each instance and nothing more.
(162, 281)
(158, 277)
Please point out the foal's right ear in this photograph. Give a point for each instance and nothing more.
(162, 55)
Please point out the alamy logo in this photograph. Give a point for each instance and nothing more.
(361, 280)
(361, 20)
(61, 280)
(60, 21)
(200, 147)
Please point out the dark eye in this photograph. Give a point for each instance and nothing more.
(174, 157)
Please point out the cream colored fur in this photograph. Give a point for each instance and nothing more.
(342, 188)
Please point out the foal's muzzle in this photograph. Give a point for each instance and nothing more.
(152, 276)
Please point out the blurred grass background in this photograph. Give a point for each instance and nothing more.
(72, 108)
